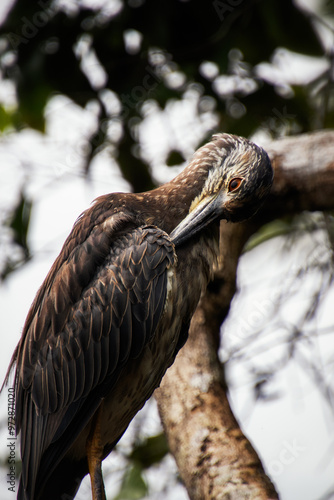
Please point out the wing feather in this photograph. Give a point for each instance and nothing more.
(80, 376)
(104, 359)
(114, 349)
(97, 357)
(99, 306)
(70, 381)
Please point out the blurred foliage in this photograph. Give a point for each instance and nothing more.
(6, 119)
(18, 223)
(275, 228)
(157, 50)
(4, 465)
(133, 485)
(149, 50)
(144, 454)
(151, 451)
(174, 158)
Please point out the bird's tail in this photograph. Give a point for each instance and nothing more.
(62, 485)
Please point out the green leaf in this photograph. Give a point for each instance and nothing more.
(133, 485)
(6, 119)
(19, 222)
(174, 158)
(133, 169)
(276, 228)
(151, 451)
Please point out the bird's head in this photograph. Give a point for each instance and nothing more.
(238, 179)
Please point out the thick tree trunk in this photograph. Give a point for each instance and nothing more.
(215, 459)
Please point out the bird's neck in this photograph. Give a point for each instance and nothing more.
(172, 200)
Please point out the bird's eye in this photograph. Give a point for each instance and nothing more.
(234, 184)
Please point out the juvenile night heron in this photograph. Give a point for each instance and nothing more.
(115, 309)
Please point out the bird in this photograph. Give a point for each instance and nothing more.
(115, 308)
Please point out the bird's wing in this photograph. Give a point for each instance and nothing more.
(97, 308)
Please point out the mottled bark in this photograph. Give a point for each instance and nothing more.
(215, 459)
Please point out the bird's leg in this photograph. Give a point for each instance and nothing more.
(94, 450)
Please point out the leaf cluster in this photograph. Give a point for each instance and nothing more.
(148, 50)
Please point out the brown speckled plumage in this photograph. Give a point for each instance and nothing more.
(115, 309)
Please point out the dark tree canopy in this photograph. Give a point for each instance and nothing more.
(149, 51)
(156, 50)
(229, 52)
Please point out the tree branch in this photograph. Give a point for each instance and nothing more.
(214, 458)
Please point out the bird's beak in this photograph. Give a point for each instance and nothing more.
(207, 211)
